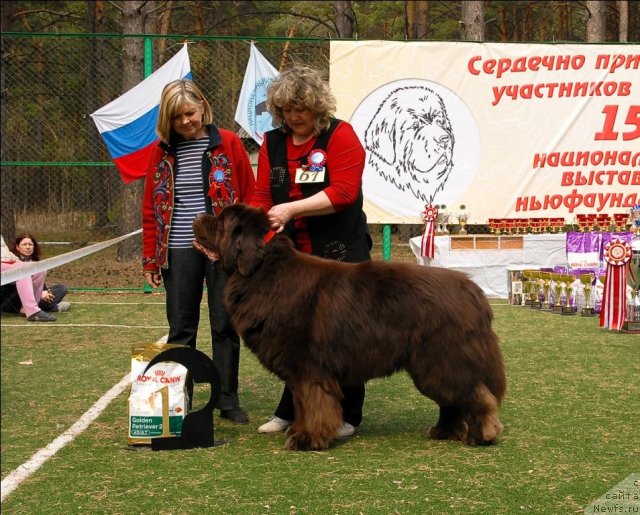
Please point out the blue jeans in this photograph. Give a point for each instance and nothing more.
(184, 281)
(11, 301)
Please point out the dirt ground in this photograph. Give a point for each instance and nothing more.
(99, 270)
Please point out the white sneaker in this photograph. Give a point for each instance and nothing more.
(346, 430)
(62, 306)
(275, 425)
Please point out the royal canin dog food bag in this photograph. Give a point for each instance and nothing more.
(159, 399)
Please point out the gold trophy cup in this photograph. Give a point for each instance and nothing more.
(557, 292)
(535, 289)
(546, 286)
(528, 287)
(567, 281)
(587, 281)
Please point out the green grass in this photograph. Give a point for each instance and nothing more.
(570, 418)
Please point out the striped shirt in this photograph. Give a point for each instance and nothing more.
(188, 191)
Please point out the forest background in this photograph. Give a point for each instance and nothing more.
(61, 60)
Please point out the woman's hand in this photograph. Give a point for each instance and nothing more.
(153, 279)
(279, 215)
(47, 296)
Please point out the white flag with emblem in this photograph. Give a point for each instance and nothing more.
(251, 113)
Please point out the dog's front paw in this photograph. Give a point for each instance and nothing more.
(298, 442)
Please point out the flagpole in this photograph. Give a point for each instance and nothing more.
(148, 70)
(148, 57)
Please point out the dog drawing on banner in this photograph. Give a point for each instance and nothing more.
(318, 324)
(410, 141)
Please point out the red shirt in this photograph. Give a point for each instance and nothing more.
(345, 165)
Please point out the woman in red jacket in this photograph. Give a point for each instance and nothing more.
(200, 168)
(310, 183)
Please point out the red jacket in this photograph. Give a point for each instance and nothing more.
(225, 155)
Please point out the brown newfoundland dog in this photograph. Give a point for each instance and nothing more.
(317, 324)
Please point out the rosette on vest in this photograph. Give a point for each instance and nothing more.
(617, 254)
(429, 217)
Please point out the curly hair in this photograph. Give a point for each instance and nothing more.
(36, 246)
(174, 95)
(301, 86)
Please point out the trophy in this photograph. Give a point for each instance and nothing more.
(557, 292)
(620, 221)
(582, 222)
(567, 282)
(535, 289)
(587, 281)
(632, 318)
(546, 286)
(443, 220)
(603, 222)
(529, 287)
(556, 224)
(463, 218)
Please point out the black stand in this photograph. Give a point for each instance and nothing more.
(197, 426)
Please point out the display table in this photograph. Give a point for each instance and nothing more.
(486, 259)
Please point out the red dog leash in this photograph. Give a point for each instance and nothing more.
(267, 237)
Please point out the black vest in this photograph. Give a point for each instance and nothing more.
(341, 236)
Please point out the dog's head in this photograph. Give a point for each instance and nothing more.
(410, 141)
(235, 235)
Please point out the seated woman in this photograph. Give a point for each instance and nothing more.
(30, 295)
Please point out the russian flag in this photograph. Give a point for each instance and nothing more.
(128, 124)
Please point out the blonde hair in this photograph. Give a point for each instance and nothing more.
(174, 95)
(301, 86)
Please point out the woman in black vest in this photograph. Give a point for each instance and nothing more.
(310, 183)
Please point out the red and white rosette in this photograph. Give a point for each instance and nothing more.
(617, 254)
(430, 218)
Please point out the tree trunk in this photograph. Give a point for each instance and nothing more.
(102, 180)
(8, 218)
(344, 18)
(133, 22)
(163, 27)
(422, 19)
(285, 51)
(623, 30)
(199, 25)
(596, 27)
(472, 20)
(410, 16)
(504, 28)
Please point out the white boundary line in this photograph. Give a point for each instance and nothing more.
(22, 472)
(17, 476)
(54, 325)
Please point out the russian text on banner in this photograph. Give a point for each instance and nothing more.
(127, 124)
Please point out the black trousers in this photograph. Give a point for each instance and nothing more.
(351, 404)
(11, 300)
(184, 281)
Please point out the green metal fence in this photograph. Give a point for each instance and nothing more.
(54, 163)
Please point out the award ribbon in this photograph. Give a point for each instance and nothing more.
(221, 190)
(429, 217)
(617, 254)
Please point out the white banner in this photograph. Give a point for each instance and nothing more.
(505, 130)
(251, 113)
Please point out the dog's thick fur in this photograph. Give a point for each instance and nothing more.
(317, 324)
